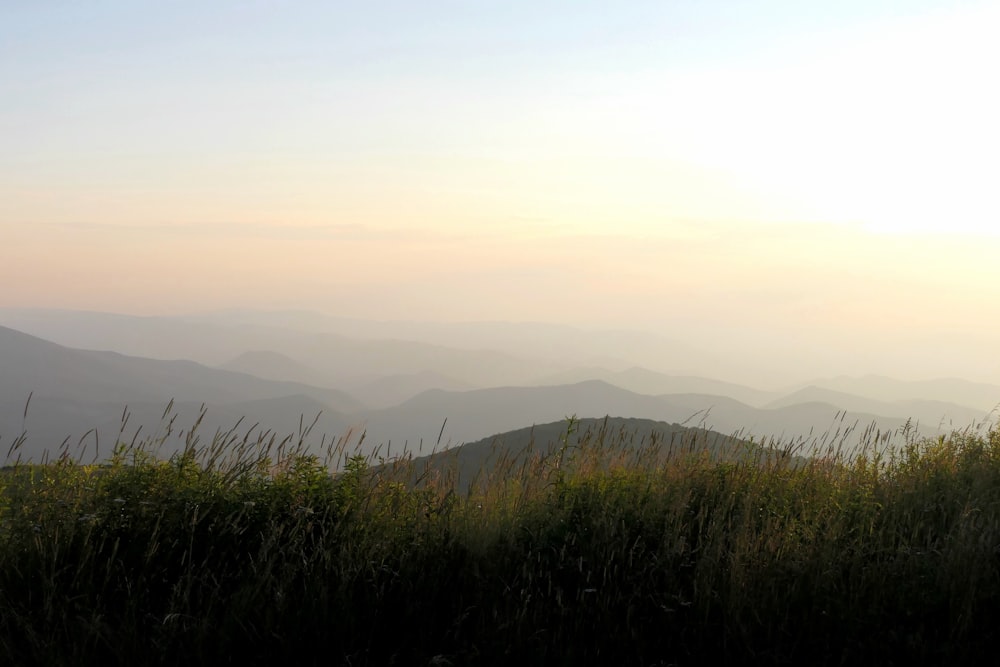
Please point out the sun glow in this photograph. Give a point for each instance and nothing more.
(723, 163)
(881, 131)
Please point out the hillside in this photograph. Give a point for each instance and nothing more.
(29, 364)
(412, 406)
(623, 439)
(444, 419)
(74, 392)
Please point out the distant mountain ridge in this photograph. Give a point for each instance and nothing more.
(928, 412)
(30, 364)
(273, 365)
(337, 360)
(646, 381)
(413, 403)
(980, 395)
(75, 391)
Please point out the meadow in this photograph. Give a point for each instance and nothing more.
(597, 548)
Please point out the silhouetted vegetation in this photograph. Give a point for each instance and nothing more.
(598, 548)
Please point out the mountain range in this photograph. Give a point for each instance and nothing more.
(264, 377)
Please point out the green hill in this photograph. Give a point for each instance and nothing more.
(607, 441)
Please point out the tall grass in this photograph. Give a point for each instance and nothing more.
(599, 549)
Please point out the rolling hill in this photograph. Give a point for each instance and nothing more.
(627, 440)
(443, 419)
(74, 391)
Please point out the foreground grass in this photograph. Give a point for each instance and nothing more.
(594, 553)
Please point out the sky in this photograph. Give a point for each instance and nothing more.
(807, 177)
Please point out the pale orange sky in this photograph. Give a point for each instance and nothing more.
(829, 177)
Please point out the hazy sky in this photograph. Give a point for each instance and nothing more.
(823, 171)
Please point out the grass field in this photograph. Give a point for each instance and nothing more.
(595, 550)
